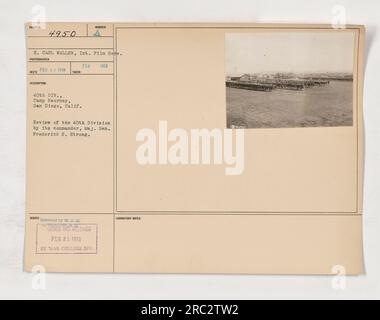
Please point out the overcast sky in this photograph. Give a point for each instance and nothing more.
(289, 52)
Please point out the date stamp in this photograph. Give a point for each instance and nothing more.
(70, 238)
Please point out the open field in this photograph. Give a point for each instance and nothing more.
(321, 106)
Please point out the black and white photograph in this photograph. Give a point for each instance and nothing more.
(289, 79)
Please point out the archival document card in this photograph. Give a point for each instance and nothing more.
(194, 148)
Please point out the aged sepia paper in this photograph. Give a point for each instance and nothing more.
(194, 148)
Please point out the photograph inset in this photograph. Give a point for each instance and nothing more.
(289, 79)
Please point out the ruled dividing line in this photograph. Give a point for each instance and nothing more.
(71, 74)
(84, 48)
(205, 213)
(75, 61)
(91, 37)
